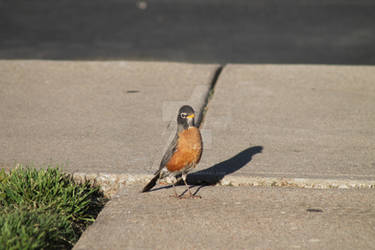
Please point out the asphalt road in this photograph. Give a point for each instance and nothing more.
(215, 31)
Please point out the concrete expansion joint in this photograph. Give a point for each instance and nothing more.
(209, 94)
(112, 183)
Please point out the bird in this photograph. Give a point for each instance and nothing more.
(184, 152)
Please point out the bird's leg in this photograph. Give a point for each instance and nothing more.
(190, 194)
(174, 189)
(184, 178)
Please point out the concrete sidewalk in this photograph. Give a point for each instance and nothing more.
(235, 218)
(309, 126)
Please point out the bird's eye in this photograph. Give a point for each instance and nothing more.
(183, 115)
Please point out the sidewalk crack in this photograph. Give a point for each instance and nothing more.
(210, 94)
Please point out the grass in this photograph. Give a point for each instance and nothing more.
(44, 209)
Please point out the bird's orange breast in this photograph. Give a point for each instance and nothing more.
(188, 152)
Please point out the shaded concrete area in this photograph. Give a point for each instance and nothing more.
(235, 218)
(111, 117)
(314, 122)
(215, 31)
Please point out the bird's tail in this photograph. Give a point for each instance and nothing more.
(152, 183)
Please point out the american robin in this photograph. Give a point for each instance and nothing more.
(184, 152)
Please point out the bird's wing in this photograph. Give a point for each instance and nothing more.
(170, 151)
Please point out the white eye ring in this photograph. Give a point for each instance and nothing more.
(183, 115)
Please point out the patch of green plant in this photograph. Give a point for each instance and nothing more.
(44, 209)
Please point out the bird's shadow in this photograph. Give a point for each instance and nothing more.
(217, 172)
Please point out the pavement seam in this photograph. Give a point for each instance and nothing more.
(210, 94)
(112, 183)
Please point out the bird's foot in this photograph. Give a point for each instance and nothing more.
(175, 195)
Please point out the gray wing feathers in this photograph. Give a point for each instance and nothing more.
(170, 151)
(167, 156)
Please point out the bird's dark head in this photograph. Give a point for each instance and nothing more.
(185, 117)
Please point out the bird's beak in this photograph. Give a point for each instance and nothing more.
(190, 116)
